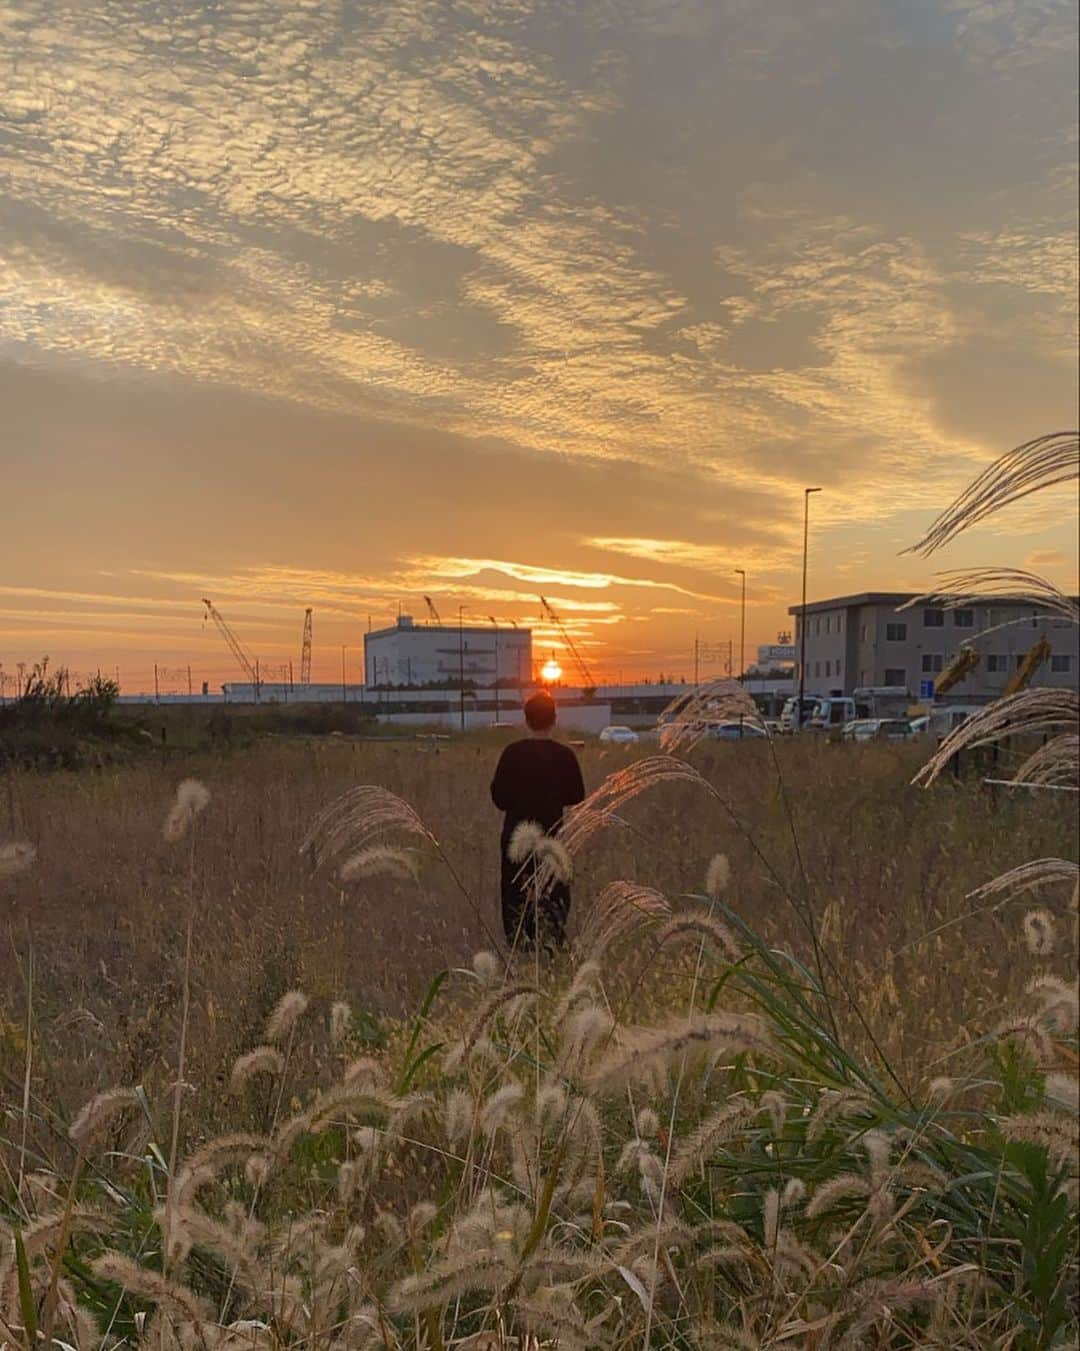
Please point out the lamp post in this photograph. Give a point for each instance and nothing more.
(802, 617)
(461, 662)
(495, 627)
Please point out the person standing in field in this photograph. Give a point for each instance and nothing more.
(536, 779)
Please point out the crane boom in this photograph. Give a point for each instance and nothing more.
(432, 610)
(305, 650)
(588, 683)
(247, 665)
(1029, 664)
(965, 661)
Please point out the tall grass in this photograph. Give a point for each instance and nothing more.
(750, 1108)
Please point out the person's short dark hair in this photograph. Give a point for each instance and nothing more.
(540, 711)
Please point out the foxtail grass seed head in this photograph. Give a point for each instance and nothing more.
(260, 1060)
(380, 859)
(487, 968)
(16, 857)
(340, 1021)
(287, 1012)
(524, 840)
(794, 1192)
(648, 1124)
(97, 1114)
(717, 876)
(941, 1089)
(257, 1169)
(1039, 932)
(191, 799)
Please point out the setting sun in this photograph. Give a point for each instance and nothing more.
(551, 671)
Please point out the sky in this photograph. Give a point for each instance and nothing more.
(344, 302)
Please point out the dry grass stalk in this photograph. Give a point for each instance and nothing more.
(621, 911)
(1031, 712)
(356, 819)
(684, 723)
(603, 804)
(1038, 464)
(964, 587)
(1039, 872)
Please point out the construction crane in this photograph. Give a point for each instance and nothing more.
(432, 610)
(1032, 659)
(962, 665)
(305, 650)
(588, 684)
(247, 664)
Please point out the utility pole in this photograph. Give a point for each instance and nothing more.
(802, 617)
(157, 692)
(461, 661)
(189, 681)
(343, 695)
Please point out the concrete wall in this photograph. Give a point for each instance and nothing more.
(588, 719)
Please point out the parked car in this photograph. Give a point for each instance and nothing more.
(877, 729)
(735, 731)
(619, 736)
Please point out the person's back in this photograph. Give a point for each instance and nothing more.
(536, 780)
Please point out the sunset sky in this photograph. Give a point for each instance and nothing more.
(335, 304)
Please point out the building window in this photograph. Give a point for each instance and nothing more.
(895, 633)
(1018, 660)
(817, 628)
(895, 675)
(828, 623)
(817, 668)
(1060, 662)
(862, 633)
(996, 662)
(963, 619)
(933, 619)
(932, 662)
(840, 623)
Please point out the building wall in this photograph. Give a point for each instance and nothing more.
(878, 643)
(426, 654)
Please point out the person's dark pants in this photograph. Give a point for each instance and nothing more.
(523, 912)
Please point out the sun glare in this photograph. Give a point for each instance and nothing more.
(551, 671)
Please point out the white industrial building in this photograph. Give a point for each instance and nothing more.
(440, 655)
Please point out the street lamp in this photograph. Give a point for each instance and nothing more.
(802, 619)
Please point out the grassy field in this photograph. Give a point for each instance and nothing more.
(98, 992)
